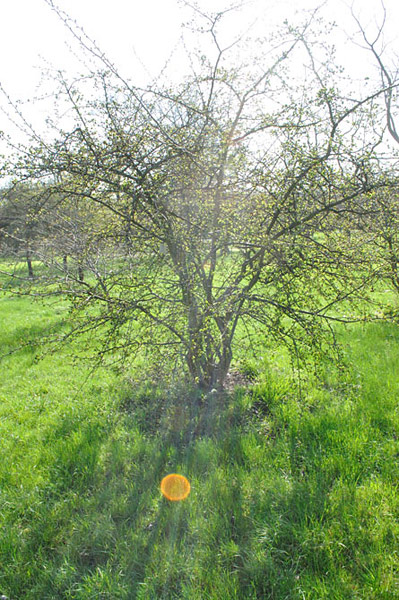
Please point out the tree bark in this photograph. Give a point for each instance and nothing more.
(29, 263)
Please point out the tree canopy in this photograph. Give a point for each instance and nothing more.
(224, 203)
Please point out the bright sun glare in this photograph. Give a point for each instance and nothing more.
(175, 487)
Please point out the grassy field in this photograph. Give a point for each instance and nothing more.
(290, 498)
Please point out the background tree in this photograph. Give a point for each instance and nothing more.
(389, 76)
(22, 227)
(384, 224)
(387, 237)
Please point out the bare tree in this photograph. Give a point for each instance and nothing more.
(389, 76)
(384, 226)
(21, 224)
(229, 197)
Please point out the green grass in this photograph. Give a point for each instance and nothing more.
(290, 498)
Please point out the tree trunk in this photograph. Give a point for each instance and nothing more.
(394, 263)
(29, 263)
(208, 369)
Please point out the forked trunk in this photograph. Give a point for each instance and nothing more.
(209, 371)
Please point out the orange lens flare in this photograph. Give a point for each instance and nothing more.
(175, 487)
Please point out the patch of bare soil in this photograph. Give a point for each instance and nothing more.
(237, 379)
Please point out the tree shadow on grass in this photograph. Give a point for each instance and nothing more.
(191, 435)
(100, 527)
(29, 337)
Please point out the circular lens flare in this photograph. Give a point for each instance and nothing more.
(175, 487)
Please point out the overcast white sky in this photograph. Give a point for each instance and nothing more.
(30, 32)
